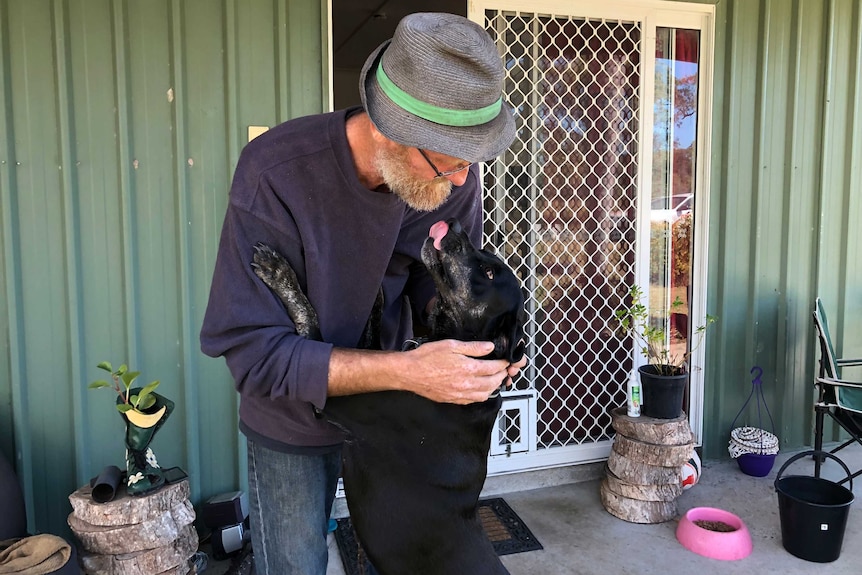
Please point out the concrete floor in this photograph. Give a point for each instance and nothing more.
(580, 537)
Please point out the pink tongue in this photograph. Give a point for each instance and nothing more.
(438, 232)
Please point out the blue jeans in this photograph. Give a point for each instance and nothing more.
(290, 499)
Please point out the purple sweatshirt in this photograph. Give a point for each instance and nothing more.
(295, 188)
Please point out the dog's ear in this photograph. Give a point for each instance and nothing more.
(510, 343)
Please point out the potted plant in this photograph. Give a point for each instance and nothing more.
(144, 411)
(664, 376)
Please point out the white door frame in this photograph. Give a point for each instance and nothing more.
(651, 14)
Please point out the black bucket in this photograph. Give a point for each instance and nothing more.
(813, 512)
(661, 395)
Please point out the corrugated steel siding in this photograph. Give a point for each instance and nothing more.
(120, 124)
(785, 203)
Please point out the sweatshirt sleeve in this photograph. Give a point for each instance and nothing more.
(244, 321)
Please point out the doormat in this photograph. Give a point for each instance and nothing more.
(508, 535)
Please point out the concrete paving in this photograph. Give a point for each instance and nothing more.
(581, 538)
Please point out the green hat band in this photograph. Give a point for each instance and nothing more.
(433, 113)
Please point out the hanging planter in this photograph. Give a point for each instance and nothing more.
(754, 448)
(752, 440)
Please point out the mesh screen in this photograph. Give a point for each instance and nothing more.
(560, 208)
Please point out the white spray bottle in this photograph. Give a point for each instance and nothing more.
(633, 395)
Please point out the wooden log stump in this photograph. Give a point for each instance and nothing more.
(635, 510)
(127, 510)
(171, 559)
(652, 453)
(652, 430)
(150, 533)
(638, 473)
(643, 478)
(660, 492)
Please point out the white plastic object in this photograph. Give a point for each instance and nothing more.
(633, 395)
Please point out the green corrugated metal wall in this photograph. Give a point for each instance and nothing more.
(112, 193)
(120, 124)
(785, 204)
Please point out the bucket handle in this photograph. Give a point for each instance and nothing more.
(815, 453)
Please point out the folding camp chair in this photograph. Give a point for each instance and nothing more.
(838, 398)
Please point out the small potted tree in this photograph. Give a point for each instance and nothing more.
(144, 411)
(664, 376)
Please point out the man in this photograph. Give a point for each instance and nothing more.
(348, 198)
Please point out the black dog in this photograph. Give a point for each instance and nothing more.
(413, 468)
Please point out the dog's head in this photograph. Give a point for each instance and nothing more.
(479, 296)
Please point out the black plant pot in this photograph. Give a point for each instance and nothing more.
(661, 394)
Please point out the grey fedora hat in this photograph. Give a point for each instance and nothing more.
(437, 85)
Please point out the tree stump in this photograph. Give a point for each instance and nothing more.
(638, 473)
(636, 510)
(652, 430)
(124, 509)
(648, 492)
(651, 453)
(172, 559)
(152, 534)
(643, 475)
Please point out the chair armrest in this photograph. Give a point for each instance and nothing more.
(839, 382)
(848, 362)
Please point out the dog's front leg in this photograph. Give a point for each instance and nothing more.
(277, 273)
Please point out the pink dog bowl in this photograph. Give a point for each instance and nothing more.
(724, 545)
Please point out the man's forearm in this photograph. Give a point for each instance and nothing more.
(354, 371)
(446, 371)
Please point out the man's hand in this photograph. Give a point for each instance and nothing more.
(513, 370)
(448, 371)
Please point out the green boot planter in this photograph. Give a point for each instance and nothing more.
(144, 412)
(143, 473)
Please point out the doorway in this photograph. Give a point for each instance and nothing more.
(360, 26)
(603, 188)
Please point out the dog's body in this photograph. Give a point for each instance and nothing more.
(413, 469)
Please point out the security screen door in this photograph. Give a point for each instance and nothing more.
(602, 188)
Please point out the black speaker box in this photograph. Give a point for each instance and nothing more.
(225, 509)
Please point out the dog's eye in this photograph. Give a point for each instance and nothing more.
(488, 272)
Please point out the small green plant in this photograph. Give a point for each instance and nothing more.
(122, 384)
(635, 320)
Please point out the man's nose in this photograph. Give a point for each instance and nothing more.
(459, 178)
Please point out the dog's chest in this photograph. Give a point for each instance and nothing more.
(444, 444)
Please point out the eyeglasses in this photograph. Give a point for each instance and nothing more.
(438, 172)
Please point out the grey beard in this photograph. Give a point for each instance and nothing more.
(421, 195)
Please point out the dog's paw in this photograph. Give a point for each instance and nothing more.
(275, 271)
